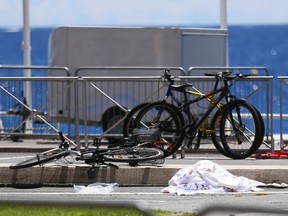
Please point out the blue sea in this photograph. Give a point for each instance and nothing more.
(264, 45)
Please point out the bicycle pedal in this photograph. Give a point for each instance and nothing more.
(86, 156)
(185, 147)
(189, 144)
(159, 161)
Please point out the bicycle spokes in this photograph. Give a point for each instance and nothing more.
(240, 130)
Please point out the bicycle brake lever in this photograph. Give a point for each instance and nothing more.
(168, 76)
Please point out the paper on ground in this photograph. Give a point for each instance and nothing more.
(96, 188)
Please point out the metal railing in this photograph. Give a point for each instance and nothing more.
(99, 70)
(118, 93)
(16, 112)
(72, 103)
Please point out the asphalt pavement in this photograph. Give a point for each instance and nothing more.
(150, 198)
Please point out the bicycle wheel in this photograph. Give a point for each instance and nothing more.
(41, 158)
(240, 130)
(262, 130)
(215, 128)
(163, 125)
(128, 122)
(134, 154)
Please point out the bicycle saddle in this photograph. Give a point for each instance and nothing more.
(180, 87)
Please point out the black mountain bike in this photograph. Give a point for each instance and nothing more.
(236, 129)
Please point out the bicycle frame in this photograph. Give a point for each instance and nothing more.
(213, 102)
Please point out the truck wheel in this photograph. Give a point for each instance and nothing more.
(109, 118)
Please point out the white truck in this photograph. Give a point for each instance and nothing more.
(76, 47)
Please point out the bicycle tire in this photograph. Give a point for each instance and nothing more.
(215, 127)
(134, 154)
(244, 139)
(262, 130)
(167, 120)
(128, 122)
(41, 158)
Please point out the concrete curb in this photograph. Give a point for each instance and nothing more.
(141, 175)
(125, 175)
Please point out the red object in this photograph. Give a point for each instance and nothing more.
(274, 155)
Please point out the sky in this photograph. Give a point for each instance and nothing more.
(53, 13)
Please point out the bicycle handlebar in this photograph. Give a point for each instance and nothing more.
(224, 75)
(227, 75)
(167, 76)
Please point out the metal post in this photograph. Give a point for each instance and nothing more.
(281, 115)
(223, 14)
(76, 106)
(272, 120)
(27, 59)
(224, 25)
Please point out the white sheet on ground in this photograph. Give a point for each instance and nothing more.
(208, 177)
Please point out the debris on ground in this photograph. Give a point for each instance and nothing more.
(208, 177)
(96, 188)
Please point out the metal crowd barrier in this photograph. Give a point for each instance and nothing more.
(74, 104)
(110, 92)
(17, 113)
(118, 95)
(23, 103)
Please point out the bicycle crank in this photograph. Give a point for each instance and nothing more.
(190, 131)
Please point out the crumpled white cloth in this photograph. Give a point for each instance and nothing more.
(208, 177)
